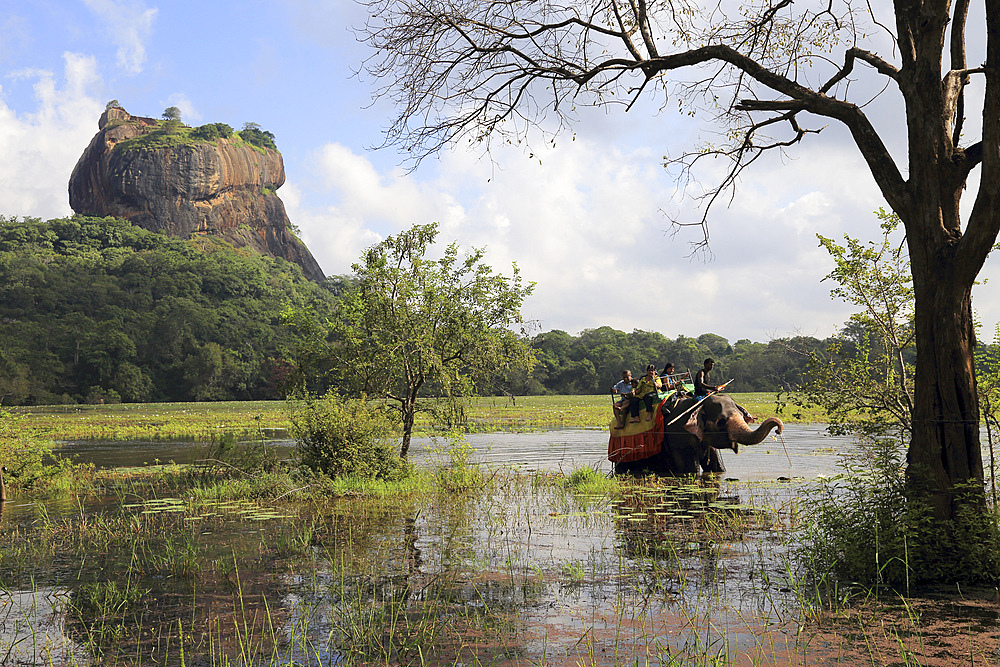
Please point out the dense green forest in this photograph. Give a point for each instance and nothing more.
(96, 309)
(593, 361)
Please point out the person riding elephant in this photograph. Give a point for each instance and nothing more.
(694, 432)
(646, 392)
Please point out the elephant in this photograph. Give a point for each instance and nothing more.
(695, 431)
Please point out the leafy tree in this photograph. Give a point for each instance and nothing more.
(492, 71)
(172, 120)
(172, 113)
(413, 326)
(253, 135)
(866, 383)
(212, 131)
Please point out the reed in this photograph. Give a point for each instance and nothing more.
(257, 565)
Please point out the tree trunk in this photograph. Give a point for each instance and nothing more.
(409, 409)
(945, 449)
(944, 261)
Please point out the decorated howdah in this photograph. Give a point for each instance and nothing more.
(684, 434)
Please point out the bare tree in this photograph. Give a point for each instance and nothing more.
(487, 70)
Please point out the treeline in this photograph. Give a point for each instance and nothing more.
(96, 309)
(591, 362)
(99, 310)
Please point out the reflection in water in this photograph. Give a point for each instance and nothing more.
(528, 573)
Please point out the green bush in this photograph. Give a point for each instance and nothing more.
(212, 132)
(456, 471)
(862, 527)
(255, 136)
(344, 436)
(27, 456)
(589, 480)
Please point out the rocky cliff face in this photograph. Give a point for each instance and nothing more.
(223, 187)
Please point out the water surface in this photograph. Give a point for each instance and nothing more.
(803, 450)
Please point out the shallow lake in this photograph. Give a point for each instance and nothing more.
(526, 573)
(803, 450)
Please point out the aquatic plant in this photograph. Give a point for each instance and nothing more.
(455, 471)
(865, 526)
(340, 436)
(588, 480)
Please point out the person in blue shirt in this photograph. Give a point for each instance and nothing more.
(624, 389)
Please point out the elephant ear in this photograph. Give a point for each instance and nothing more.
(693, 425)
(747, 417)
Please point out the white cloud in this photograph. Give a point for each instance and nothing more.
(129, 23)
(336, 238)
(40, 148)
(585, 223)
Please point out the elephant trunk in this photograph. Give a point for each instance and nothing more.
(740, 433)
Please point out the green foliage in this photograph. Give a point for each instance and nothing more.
(590, 481)
(97, 308)
(866, 526)
(988, 388)
(172, 133)
(253, 135)
(232, 453)
(412, 326)
(166, 136)
(854, 522)
(591, 362)
(345, 437)
(212, 132)
(865, 380)
(28, 457)
(456, 472)
(172, 113)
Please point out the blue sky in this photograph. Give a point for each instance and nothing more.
(586, 219)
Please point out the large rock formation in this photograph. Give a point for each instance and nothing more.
(163, 179)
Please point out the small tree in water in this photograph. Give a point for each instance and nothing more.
(411, 327)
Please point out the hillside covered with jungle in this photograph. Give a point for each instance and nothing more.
(99, 310)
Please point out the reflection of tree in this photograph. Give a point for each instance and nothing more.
(409, 588)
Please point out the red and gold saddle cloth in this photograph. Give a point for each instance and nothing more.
(639, 440)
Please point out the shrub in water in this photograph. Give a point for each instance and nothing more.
(861, 527)
(456, 470)
(28, 456)
(590, 480)
(344, 436)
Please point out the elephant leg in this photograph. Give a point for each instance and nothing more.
(634, 468)
(712, 461)
(681, 454)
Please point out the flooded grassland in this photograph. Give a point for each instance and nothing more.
(523, 571)
(213, 563)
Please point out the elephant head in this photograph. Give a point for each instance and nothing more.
(718, 421)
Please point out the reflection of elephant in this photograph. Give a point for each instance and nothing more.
(695, 431)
